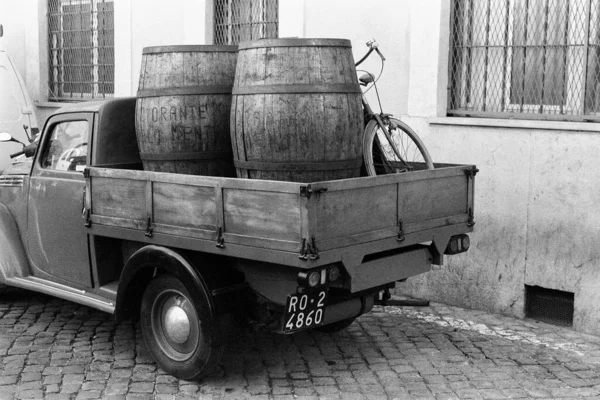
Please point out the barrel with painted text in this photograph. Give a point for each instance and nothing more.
(183, 107)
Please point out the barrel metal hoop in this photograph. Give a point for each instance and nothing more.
(292, 89)
(201, 155)
(262, 43)
(294, 166)
(185, 91)
(189, 49)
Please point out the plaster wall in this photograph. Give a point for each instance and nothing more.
(360, 21)
(536, 198)
(537, 220)
(144, 23)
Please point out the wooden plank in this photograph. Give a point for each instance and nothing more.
(122, 198)
(196, 232)
(260, 214)
(118, 222)
(361, 210)
(266, 244)
(197, 180)
(432, 198)
(280, 186)
(195, 206)
(327, 244)
(371, 181)
(458, 219)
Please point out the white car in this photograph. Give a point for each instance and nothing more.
(16, 109)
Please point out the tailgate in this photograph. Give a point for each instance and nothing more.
(369, 209)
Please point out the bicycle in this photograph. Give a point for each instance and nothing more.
(389, 145)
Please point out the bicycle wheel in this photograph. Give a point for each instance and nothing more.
(380, 158)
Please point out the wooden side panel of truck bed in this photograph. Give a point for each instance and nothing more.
(282, 216)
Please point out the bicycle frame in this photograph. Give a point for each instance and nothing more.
(370, 114)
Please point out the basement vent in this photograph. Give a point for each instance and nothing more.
(548, 305)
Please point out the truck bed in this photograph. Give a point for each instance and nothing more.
(295, 224)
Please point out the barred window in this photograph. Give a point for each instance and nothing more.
(528, 59)
(81, 49)
(239, 20)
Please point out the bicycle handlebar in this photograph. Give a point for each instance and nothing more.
(17, 154)
(373, 46)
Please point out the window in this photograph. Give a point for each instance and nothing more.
(67, 148)
(81, 49)
(529, 59)
(239, 20)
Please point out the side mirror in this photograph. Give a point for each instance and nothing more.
(7, 137)
(29, 150)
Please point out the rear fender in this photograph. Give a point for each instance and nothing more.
(150, 261)
(13, 259)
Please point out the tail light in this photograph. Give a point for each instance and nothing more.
(318, 277)
(458, 244)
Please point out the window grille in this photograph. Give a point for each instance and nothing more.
(81, 49)
(239, 20)
(529, 59)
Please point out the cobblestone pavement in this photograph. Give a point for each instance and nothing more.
(53, 349)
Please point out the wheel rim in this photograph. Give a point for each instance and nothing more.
(175, 325)
(409, 151)
(380, 158)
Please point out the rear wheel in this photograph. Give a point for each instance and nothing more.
(379, 155)
(172, 322)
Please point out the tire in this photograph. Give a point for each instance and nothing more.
(379, 157)
(181, 350)
(336, 326)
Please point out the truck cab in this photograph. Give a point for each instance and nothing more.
(54, 187)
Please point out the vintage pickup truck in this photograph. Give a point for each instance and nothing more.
(192, 256)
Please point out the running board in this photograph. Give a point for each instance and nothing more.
(63, 292)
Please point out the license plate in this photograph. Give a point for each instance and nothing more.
(304, 311)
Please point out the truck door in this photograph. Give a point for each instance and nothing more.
(57, 238)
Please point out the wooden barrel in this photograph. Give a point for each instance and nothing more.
(183, 108)
(296, 111)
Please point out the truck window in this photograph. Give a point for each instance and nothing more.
(67, 147)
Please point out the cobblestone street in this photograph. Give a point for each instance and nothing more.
(53, 349)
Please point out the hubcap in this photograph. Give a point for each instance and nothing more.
(177, 324)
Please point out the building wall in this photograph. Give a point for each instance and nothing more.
(360, 21)
(144, 23)
(536, 198)
(20, 41)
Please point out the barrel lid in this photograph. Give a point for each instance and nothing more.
(187, 48)
(294, 42)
